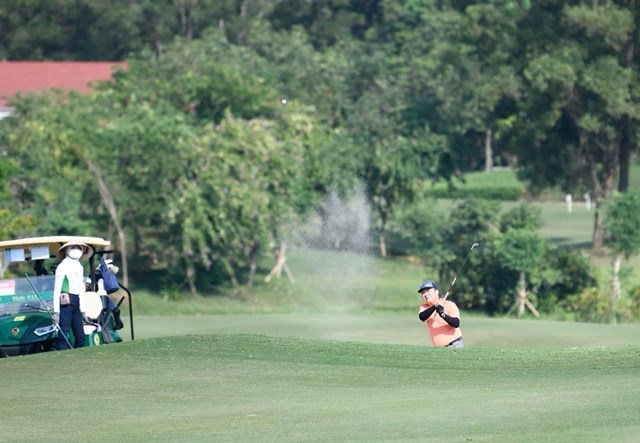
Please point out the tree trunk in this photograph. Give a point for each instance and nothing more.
(382, 239)
(597, 240)
(253, 264)
(521, 298)
(383, 245)
(599, 221)
(244, 23)
(281, 265)
(603, 175)
(626, 144)
(627, 130)
(232, 275)
(522, 293)
(186, 9)
(615, 286)
(191, 279)
(488, 151)
(108, 201)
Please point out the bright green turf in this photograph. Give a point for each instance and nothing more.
(574, 229)
(264, 388)
(395, 328)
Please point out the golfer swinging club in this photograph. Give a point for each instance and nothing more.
(442, 317)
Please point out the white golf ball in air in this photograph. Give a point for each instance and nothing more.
(283, 101)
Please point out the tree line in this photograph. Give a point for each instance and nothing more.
(235, 117)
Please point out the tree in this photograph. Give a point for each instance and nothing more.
(470, 221)
(523, 216)
(457, 59)
(421, 225)
(84, 29)
(579, 93)
(622, 236)
(523, 251)
(48, 183)
(13, 221)
(326, 21)
(393, 166)
(240, 193)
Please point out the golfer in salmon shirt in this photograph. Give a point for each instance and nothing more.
(442, 317)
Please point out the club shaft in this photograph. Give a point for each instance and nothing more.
(56, 325)
(455, 277)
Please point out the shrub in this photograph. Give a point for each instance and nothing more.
(628, 308)
(592, 305)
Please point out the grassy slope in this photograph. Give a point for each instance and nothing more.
(260, 388)
(395, 329)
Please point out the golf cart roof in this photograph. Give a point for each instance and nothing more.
(50, 245)
(54, 241)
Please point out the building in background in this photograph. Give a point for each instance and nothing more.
(19, 77)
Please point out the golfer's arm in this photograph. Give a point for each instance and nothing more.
(57, 289)
(453, 321)
(424, 315)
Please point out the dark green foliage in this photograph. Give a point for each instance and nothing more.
(566, 274)
(623, 224)
(632, 303)
(83, 29)
(521, 249)
(421, 226)
(524, 216)
(327, 21)
(470, 221)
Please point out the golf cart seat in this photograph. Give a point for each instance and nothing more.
(91, 307)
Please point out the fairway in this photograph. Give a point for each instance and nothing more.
(287, 384)
(395, 329)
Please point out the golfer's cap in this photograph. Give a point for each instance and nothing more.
(427, 285)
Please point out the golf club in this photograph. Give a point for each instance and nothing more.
(455, 277)
(55, 325)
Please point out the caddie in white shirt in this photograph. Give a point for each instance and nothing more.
(69, 284)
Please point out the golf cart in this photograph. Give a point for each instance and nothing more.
(26, 300)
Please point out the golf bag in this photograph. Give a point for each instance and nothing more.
(109, 320)
(109, 279)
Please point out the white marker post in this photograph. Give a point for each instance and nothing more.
(569, 201)
(587, 201)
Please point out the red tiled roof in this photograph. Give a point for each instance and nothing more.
(37, 76)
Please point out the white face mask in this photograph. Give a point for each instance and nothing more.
(74, 252)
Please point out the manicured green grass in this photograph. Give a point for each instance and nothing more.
(401, 328)
(565, 229)
(238, 387)
(498, 184)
